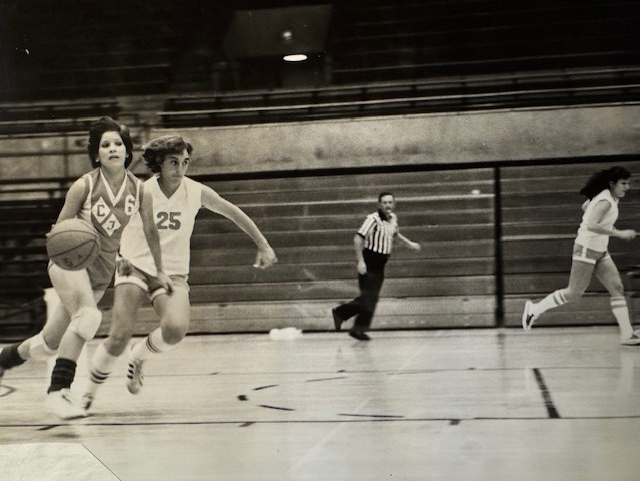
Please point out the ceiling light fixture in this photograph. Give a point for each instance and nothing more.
(296, 57)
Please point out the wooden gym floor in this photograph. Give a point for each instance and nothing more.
(553, 404)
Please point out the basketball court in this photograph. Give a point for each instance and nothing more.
(490, 404)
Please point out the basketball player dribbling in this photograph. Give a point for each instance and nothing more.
(590, 253)
(177, 200)
(107, 197)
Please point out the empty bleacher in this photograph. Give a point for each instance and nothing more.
(463, 276)
(32, 118)
(550, 88)
(311, 221)
(384, 40)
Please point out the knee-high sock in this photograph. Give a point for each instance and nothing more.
(553, 300)
(100, 368)
(152, 344)
(62, 375)
(9, 356)
(621, 313)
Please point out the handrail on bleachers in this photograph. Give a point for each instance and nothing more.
(513, 90)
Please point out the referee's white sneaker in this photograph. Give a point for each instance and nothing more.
(527, 316)
(62, 405)
(633, 340)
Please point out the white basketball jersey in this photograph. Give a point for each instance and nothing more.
(174, 217)
(593, 240)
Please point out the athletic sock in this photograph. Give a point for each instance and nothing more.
(9, 356)
(100, 369)
(152, 344)
(62, 376)
(553, 300)
(621, 313)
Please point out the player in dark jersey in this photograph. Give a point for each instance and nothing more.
(107, 197)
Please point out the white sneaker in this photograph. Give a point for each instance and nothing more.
(633, 340)
(62, 405)
(527, 316)
(135, 379)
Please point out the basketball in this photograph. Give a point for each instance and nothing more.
(73, 244)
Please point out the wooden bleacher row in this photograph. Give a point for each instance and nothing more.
(53, 117)
(523, 89)
(375, 41)
(310, 222)
(529, 89)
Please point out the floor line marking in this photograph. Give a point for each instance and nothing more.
(314, 421)
(546, 395)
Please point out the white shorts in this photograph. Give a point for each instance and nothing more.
(589, 256)
(128, 274)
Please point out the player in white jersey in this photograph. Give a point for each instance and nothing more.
(590, 255)
(177, 200)
(107, 197)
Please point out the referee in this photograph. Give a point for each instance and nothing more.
(373, 243)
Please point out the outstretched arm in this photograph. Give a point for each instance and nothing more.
(412, 245)
(211, 200)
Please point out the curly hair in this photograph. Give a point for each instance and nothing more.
(156, 150)
(98, 128)
(600, 180)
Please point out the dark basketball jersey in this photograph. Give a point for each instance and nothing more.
(109, 212)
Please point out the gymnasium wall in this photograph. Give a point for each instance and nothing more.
(379, 141)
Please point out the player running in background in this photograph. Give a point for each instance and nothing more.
(177, 200)
(590, 255)
(107, 197)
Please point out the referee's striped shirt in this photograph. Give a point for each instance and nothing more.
(378, 231)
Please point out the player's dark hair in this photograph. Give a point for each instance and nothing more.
(107, 124)
(600, 180)
(384, 194)
(155, 151)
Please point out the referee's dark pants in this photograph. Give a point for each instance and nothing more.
(364, 306)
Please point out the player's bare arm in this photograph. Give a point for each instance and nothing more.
(74, 199)
(211, 200)
(153, 239)
(595, 225)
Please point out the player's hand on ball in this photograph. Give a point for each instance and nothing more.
(165, 281)
(265, 257)
(415, 246)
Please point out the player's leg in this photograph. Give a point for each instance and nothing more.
(77, 296)
(579, 279)
(39, 347)
(128, 298)
(609, 276)
(174, 312)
